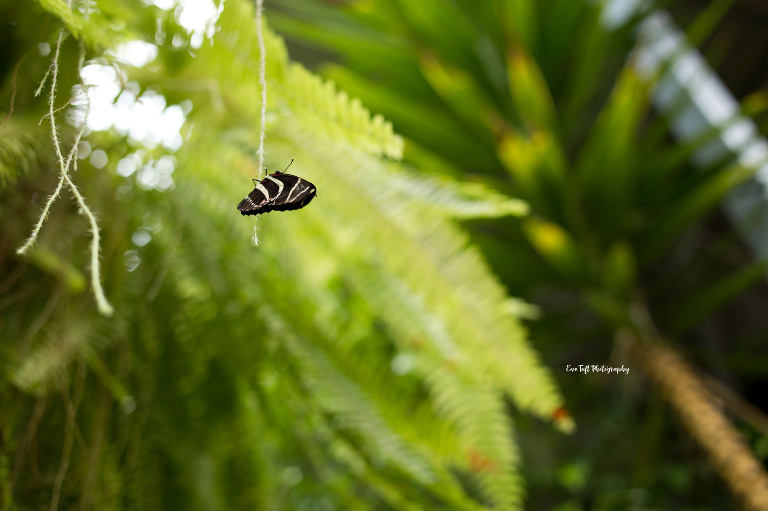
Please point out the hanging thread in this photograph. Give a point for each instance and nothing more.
(263, 119)
(262, 84)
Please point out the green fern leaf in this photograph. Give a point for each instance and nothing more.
(62, 11)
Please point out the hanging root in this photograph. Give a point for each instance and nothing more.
(64, 166)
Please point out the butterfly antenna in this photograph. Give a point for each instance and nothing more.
(286, 168)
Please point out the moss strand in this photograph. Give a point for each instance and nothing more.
(103, 305)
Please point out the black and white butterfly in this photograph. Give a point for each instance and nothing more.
(278, 192)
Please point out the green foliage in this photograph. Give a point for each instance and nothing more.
(63, 12)
(540, 100)
(366, 355)
(576, 136)
(23, 150)
(103, 26)
(361, 356)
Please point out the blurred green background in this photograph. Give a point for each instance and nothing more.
(499, 199)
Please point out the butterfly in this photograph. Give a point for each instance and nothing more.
(278, 192)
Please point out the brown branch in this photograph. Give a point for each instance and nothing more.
(89, 487)
(13, 88)
(737, 405)
(21, 453)
(71, 406)
(726, 448)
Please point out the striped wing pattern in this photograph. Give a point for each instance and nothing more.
(278, 192)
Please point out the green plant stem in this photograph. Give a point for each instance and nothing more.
(70, 406)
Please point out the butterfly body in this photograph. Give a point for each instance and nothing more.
(278, 192)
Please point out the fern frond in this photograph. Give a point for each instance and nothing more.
(104, 27)
(62, 11)
(46, 367)
(347, 115)
(23, 149)
(454, 199)
(341, 398)
(292, 86)
(490, 454)
(434, 261)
